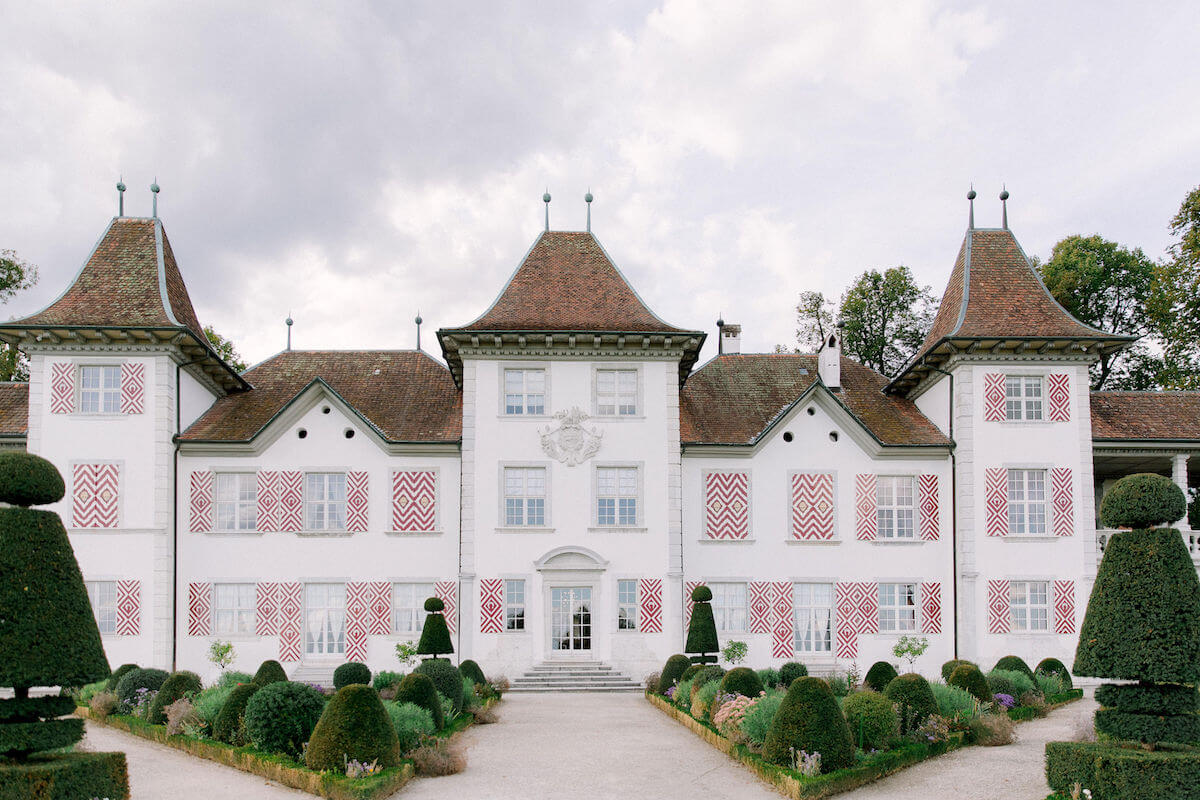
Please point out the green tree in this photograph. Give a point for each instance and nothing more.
(814, 321)
(15, 276)
(1176, 304)
(886, 315)
(225, 349)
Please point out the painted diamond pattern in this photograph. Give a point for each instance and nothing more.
(1062, 491)
(291, 503)
(931, 607)
(356, 621)
(995, 487)
(857, 609)
(290, 606)
(379, 603)
(356, 502)
(62, 387)
(95, 495)
(129, 607)
(266, 609)
(414, 501)
(727, 505)
(993, 397)
(447, 592)
(688, 586)
(200, 500)
(491, 605)
(268, 501)
(999, 608)
(1058, 396)
(199, 609)
(866, 505)
(812, 506)
(133, 387)
(1064, 606)
(650, 605)
(927, 490)
(783, 638)
(758, 595)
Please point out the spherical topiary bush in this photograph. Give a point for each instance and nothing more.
(176, 686)
(148, 679)
(419, 690)
(270, 671)
(872, 719)
(446, 679)
(1144, 500)
(470, 669)
(29, 480)
(969, 677)
(354, 726)
(672, 672)
(229, 726)
(1052, 666)
(351, 672)
(790, 671)
(913, 698)
(951, 665)
(280, 716)
(435, 636)
(809, 720)
(743, 681)
(118, 673)
(701, 594)
(879, 676)
(702, 642)
(1015, 664)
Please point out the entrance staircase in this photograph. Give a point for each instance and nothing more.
(321, 674)
(578, 676)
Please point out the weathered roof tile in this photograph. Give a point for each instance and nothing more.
(1173, 416)
(14, 409)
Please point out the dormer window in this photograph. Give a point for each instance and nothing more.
(1023, 398)
(100, 390)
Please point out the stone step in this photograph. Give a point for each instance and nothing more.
(575, 676)
(572, 682)
(632, 687)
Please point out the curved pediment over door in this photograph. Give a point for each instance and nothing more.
(571, 559)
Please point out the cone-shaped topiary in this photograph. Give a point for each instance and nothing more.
(176, 686)
(951, 665)
(672, 672)
(1052, 666)
(435, 636)
(351, 672)
(419, 690)
(229, 727)
(118, 673)
(1144, 500)
(270, 671)
(879, 676)
(702, 629)
(790, 671)
(969, 677)
(446, 679)
(280, 717)
(809, 720)
(470, 669)
(913, 698)
(743, 681)
(354, 726)
(1015, 664)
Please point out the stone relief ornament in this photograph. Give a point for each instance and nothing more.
(571, 443)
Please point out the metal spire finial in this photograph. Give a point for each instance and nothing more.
(121, 196)
(587, 198)
(971, 200)
(154, 190)
(418, 320)
(546, 200)
(289, 323)
(1004, 204)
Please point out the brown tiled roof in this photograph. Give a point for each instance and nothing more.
(14, 409)
(406, 395)
(733, 399)
(1146, 416)
(568, 283)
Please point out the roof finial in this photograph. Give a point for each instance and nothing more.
(971, 200)
(418, 320)
(546, 200)
(1004, 203)
(154, 190)
(587, 198)
(121, 196)
(288, 322)
(720, 338)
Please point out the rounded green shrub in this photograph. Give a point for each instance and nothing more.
(809, 720)
(872, 719)
(29, 480)
(1010, 682)
(229, 726)
(879, 676)
(351, 672)
(446, 679)
(119, 673)
(280, 716)
(743, 681)
(672, 672)
(969, 677)
(702, 644)
(410, 722)
(1015, 664)
(175, 687)
(1052, 666)
(1144, 500)
(354, 726)
(707, 674)
(470, 669)
(418, 689)
(435, 636)
(701, 594)
(951, 665)
(790, 671)
(769, 677)
(270, 671)
(1149, 698)
(690, 672)
(913, 698)
(127, 687)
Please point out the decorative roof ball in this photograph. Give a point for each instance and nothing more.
(434, 604)
(29, 480)
(546, 197)
(1144, 500)
(701, 594)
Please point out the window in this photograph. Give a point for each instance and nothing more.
(1022, 398)
(729, 606)
(514, 605)
(1028, 606)
(325, 501)
(325, 619)
(1027, 501)
(616, 496)
(616, 392)
(233, 608)
(525, 391)
(235, 495)
(103, 595)
(524, 496)
(100, 390)
(894, 507)
(408, 606)
(627, 605)
(897, 607)
(812, 604)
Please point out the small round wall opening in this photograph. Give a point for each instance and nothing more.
(833, 436)
(325, 409)
(787, 436)
(811, 411)
(302, 433)
(348, 433)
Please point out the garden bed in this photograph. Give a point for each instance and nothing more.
(1054, 701)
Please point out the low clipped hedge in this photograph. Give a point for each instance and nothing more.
(1149, 698)
(353, 726)
(1052, 666)
(270, 671)
(913, 698)
(175, 687)
(872, 719)
(1118, 773)
(673, 672)
(790, 671)
(418, 689)
(879, 676)
(135, 679)
(743, 681)
(968, 676)
(1148, 728)
(19, 739)
(351, 672)
(1015, 664)
(69, 775)
(228, 725)
(280, 717)
(446, 679)
(470, 669)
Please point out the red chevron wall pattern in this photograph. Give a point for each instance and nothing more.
(688, 586)
(447, 592)
(200, 502)
(995, 489)
(491, 605)
(290, 608)
(414, 501)
(268, 501)
(783, 637)
(379, 608)
(999, 607)
(266, 606)
(650, 606)
(95, 495)
(857, 608)
(927, 505)
(1064, 606)
(1062, 493)
(129, 607)
(931, 607)
(291, 502)
(133, 387)
(356, 621)
(866, 505)
(62, 387)
(356, 502)
(727, 505)
(199, 609)
(993, 397)
(812, 506)
(1058, 396)
(758, 596)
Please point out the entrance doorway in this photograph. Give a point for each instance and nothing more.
(324, 620)
(571, 621)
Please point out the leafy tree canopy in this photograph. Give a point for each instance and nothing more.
(15, 276)
(225, 349)
(814, 321)
(885, 316)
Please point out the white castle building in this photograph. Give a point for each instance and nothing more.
(569, 473)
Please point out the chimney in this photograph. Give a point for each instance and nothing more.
(731, 339)
(829, 361)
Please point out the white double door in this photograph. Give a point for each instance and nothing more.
(570, 621)
(324, 620)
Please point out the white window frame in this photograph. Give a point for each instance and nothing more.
(1024, 398)
(628, 595)
(236, 616)
(625, 482)
(328, 587)
(413, 616)
(897, 607)
(525, 393)
(514, 606)
(1026, 616)
(325, 503)
(894, 519)
(730, 615)
(102, 392)
(1026, 516)
(809, 614)
(99, 594)
(244, 509)
(525, 497)
(616, 403)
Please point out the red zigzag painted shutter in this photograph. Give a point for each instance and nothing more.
(447, 592)
(133, 387)
(758, 595)
(1062, 491)
(95, 495)
(1058, 397)
(999, 607)
(62, 387)
(927, 504)
(1064, 606)
(727, 505)
(491, 605)
(129, 607)
(866, 504)
(993, 397)
(268, 501)
(200, 502)
(414, 501)
(812, 506)
(291, 502)
(931, 607)
(379, 602)
(783, 637)
(199, 609)
(650, 605)
(266, 618)
(857, 607)
(357, 501)
(356, 621)
(290, 605)
(995, 488)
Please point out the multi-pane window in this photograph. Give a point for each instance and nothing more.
(616, 392)
(525, 391)
(616, 496)
(100, 390)
(233, 608)
(325, 501)
(1029, 606)
(812, 605)
(627, 605)
(524, 496)
(729, 606)
(1027, 501)
(325, 619)
(235, 496)
(1022, 398)
(408, 606)
(894, 506)
(897, 607)
(514, 605)
(103, 595)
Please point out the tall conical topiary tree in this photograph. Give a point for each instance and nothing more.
(48, 637)
(702, 643)
(435, 636)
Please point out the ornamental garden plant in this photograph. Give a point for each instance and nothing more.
(702, 643)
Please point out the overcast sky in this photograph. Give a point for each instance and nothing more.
(353, 163)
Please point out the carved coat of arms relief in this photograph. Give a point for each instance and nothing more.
(571, 442)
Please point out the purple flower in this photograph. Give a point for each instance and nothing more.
(1006, 700)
